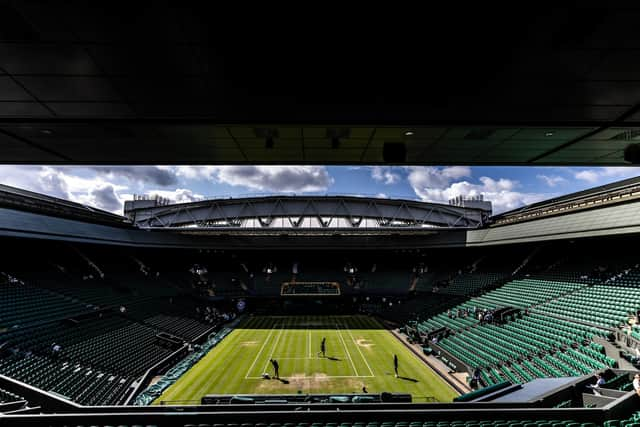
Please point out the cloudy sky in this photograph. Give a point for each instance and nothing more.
(107, 187)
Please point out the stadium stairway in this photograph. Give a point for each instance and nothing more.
(614, 350)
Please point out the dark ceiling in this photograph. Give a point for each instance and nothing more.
(93, 82)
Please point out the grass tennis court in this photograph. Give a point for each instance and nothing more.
(359, 352)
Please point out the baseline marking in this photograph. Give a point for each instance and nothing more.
(324, 376)
(360, 351)
(347, 350)
(259, 352)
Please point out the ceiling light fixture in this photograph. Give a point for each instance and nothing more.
(409, 133)
(548, 134)
(46, 131)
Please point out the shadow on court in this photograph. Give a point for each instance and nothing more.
(335, 359)
(283, 381)
(413, 380)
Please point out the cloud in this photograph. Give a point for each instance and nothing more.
(588, 175)
(106, 187)
(197, 172)
(103, 197)
(441, 184)
(179, 195)
(552, 180)
(606, 174)
(385, 174)
(26, 177)
(157, 175)
(455, 172)
(433, 177)
(66, 183)
(53, 183)
(286, 179)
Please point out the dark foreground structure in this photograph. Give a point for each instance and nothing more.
(535, 301)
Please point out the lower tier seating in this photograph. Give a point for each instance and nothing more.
(80, 383)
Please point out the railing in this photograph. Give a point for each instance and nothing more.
(153, 371)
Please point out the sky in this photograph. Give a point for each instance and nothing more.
(107, 187)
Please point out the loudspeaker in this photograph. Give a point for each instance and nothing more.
(632, 154)
(394, 152)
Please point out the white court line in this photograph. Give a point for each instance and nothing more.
(338, 356)
(347, 350)
(324, 376)
(273, 349)
(296, 358)
(260, 352)
(360, 351)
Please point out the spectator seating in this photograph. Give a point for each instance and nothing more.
(80, 383)
(522, 293)
(130, 349)
(555, 339)
(7, 397)
(433, 423)
(22, 304)
(602, 305)
(183, 327)
(101, 352)
(472, 283)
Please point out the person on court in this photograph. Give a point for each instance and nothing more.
(276, 369)
(395, 364)
(323, 347)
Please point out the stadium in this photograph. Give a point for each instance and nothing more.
(310, 309)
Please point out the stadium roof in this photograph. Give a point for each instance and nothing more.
(160, 83)
(23, 200)
(624, 191)
(603, 211)
(306, 212)
(589, 192)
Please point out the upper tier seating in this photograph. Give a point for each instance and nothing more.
(601, 305)
(521, 293)
(22, 304)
